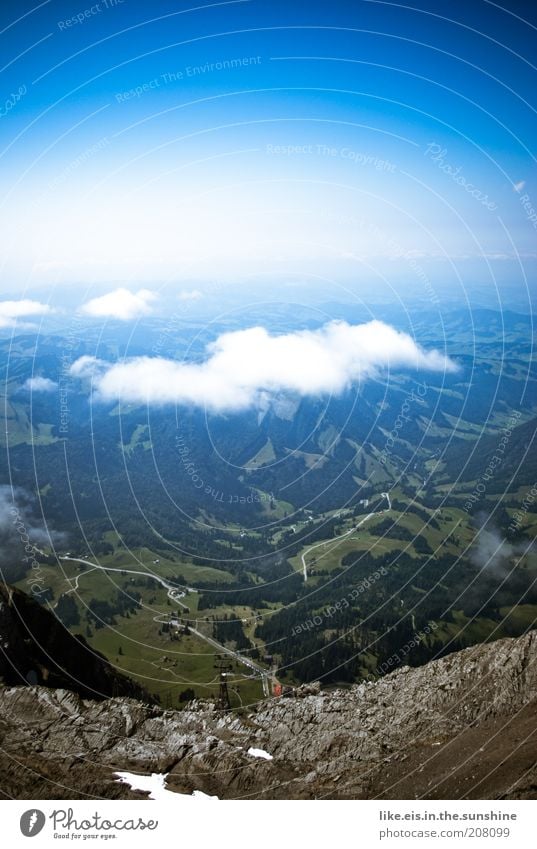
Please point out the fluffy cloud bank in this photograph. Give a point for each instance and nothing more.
(11, 311)
(40, 384)
(120, 304)
(242, 367)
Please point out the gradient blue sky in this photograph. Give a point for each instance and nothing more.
(189, 180)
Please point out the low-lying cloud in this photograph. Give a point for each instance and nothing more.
(39, 384)
(21, 531)
(491, 551)
(12, 311)
(243, 367)
(121, 304)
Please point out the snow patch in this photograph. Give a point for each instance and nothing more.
(259, 753)
(156, 785)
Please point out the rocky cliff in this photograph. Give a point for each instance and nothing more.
(460, 727)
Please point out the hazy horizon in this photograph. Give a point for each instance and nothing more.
(227, 142)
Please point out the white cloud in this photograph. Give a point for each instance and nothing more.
(40, 384)
(11, 311)
(121, 304)
(87, 367)
(517, 187)
(192, 295)
(243, 366)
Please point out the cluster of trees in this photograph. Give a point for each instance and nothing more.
(348, 654)
(412, 507)
(283, 589)
(392, 529)
(187, 695)
(229, 629)
(103, 612)
(67, 610)
(267, 569)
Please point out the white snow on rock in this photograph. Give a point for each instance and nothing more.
(156, 785)
(259, 753)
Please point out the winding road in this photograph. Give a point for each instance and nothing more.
(176, 595)
(385, 495)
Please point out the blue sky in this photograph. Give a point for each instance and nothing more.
(158, 143)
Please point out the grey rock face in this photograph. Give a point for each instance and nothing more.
(437, 731)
